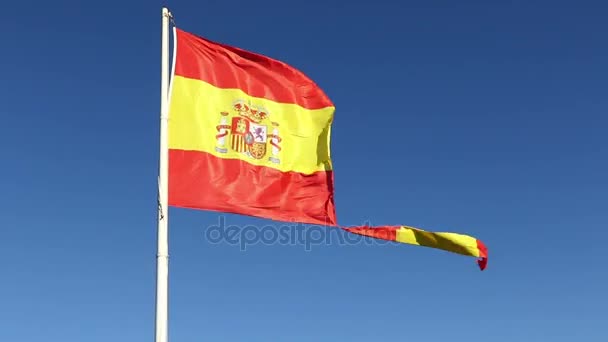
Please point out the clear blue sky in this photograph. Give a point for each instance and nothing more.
(464, 116)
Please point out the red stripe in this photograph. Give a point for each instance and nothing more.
(483, 255)
(383, 233)
(229, 67)
(199, 180)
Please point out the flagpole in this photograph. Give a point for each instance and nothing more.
(162, 255)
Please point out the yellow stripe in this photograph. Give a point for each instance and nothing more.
(194, 114)
(457, 243)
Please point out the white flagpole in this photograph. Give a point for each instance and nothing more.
(162, 255)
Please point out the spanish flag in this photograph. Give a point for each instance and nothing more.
(250, 135)
(455, 243)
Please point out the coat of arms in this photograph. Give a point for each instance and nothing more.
(248, 132)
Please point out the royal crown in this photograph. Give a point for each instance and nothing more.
(253, 114)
